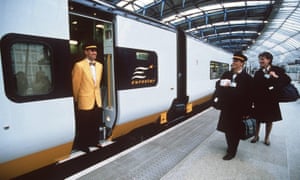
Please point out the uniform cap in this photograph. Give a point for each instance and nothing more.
(90, 45)
(239, 56)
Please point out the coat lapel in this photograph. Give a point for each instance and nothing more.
(98, 73)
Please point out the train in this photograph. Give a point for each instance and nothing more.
(153, 73)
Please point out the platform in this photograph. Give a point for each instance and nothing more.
(194, 149)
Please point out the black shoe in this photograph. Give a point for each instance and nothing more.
(228, 156)
(97, 145)
(85, 149)
(255, 139)
(267, 143)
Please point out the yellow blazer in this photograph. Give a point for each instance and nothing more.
(85, 91)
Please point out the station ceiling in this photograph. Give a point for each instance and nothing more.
(250, 26)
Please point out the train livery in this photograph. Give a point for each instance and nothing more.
(153, 73)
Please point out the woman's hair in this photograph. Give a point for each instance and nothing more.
(266, 55)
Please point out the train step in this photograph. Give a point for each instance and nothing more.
(104, 143)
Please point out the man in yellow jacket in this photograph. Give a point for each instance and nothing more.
(86, 80)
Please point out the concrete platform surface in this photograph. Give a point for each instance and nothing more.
(194, 150)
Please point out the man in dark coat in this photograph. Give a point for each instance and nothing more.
(235, 96)
(268, 81)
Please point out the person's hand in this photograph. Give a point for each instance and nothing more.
(225, 82)
(272, 73)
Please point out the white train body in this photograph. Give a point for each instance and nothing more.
(199, 57)
(37, 129)
(147, 101)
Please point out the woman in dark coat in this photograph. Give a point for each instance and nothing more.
(268, 81)
(235, 94)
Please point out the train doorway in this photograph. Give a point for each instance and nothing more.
(84, 28)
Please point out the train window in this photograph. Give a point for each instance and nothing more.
(142, 56)
(217, 69)
(140, 71)
(35, 68)
(32, 69)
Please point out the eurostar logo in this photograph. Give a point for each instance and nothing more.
(141, 75)
(141, 72)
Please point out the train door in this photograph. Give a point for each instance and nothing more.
(178, 107)
(98, 27)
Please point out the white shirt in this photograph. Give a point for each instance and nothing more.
(93, 70)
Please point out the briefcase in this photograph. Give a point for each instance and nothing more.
(248, 128)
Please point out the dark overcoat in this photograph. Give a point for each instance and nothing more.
(266, 92)
(235, 102)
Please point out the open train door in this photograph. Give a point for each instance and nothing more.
(108, 86)
(86, 24)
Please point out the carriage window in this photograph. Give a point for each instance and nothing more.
(32, 68)
(217, 69)
(142, 56)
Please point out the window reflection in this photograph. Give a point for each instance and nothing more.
(217, 69)
(32, 68)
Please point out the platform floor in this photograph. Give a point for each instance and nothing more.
(280, 160)
(194, 150)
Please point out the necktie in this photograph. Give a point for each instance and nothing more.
(233, 77)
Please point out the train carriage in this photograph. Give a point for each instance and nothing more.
(152, 74)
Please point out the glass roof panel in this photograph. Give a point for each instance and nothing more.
(293, 24)
(284, 30)
(269, 44)
(275, 23)
(122, 3)
(134, 5)
(191, 12)
(143, 3)
(294, 43)
(288, 29)
(247, 3)
(279, 49)
(280, 35)
(213, 8)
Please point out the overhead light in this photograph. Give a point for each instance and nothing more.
(234, 22)
(104, 3)
(101, 26)
(73, 42)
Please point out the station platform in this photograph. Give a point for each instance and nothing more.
(193, 150)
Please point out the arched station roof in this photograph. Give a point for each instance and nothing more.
(251, 26)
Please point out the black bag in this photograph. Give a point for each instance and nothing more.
(216, 103)
(248, 128)
(288, 93)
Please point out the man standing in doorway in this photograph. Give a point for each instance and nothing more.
(86, 80)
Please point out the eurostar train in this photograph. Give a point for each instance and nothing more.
(153, 73)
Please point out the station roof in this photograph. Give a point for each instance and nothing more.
(250, 26)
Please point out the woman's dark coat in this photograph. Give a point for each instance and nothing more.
(266, 92)
(235, 102)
